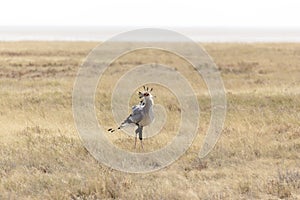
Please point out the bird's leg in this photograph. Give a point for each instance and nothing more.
(141, 136)
(135, 139)
(142, 145)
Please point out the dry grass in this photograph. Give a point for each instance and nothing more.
(257, 156)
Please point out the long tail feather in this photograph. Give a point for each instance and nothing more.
(111, 130)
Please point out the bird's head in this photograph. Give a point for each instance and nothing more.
(146, 94)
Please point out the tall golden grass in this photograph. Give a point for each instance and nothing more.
(257, 156)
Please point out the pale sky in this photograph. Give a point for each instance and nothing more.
(151, 13)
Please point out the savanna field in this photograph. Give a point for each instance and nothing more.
(256, 157)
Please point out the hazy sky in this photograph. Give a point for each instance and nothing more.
(220, 13)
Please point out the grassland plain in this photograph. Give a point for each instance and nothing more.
(257, 156)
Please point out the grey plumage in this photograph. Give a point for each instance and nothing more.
(142, 114)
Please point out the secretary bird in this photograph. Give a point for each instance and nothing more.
(142, 115)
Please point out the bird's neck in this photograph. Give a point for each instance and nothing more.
(148, 103)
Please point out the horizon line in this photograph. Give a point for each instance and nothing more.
(102, 33)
